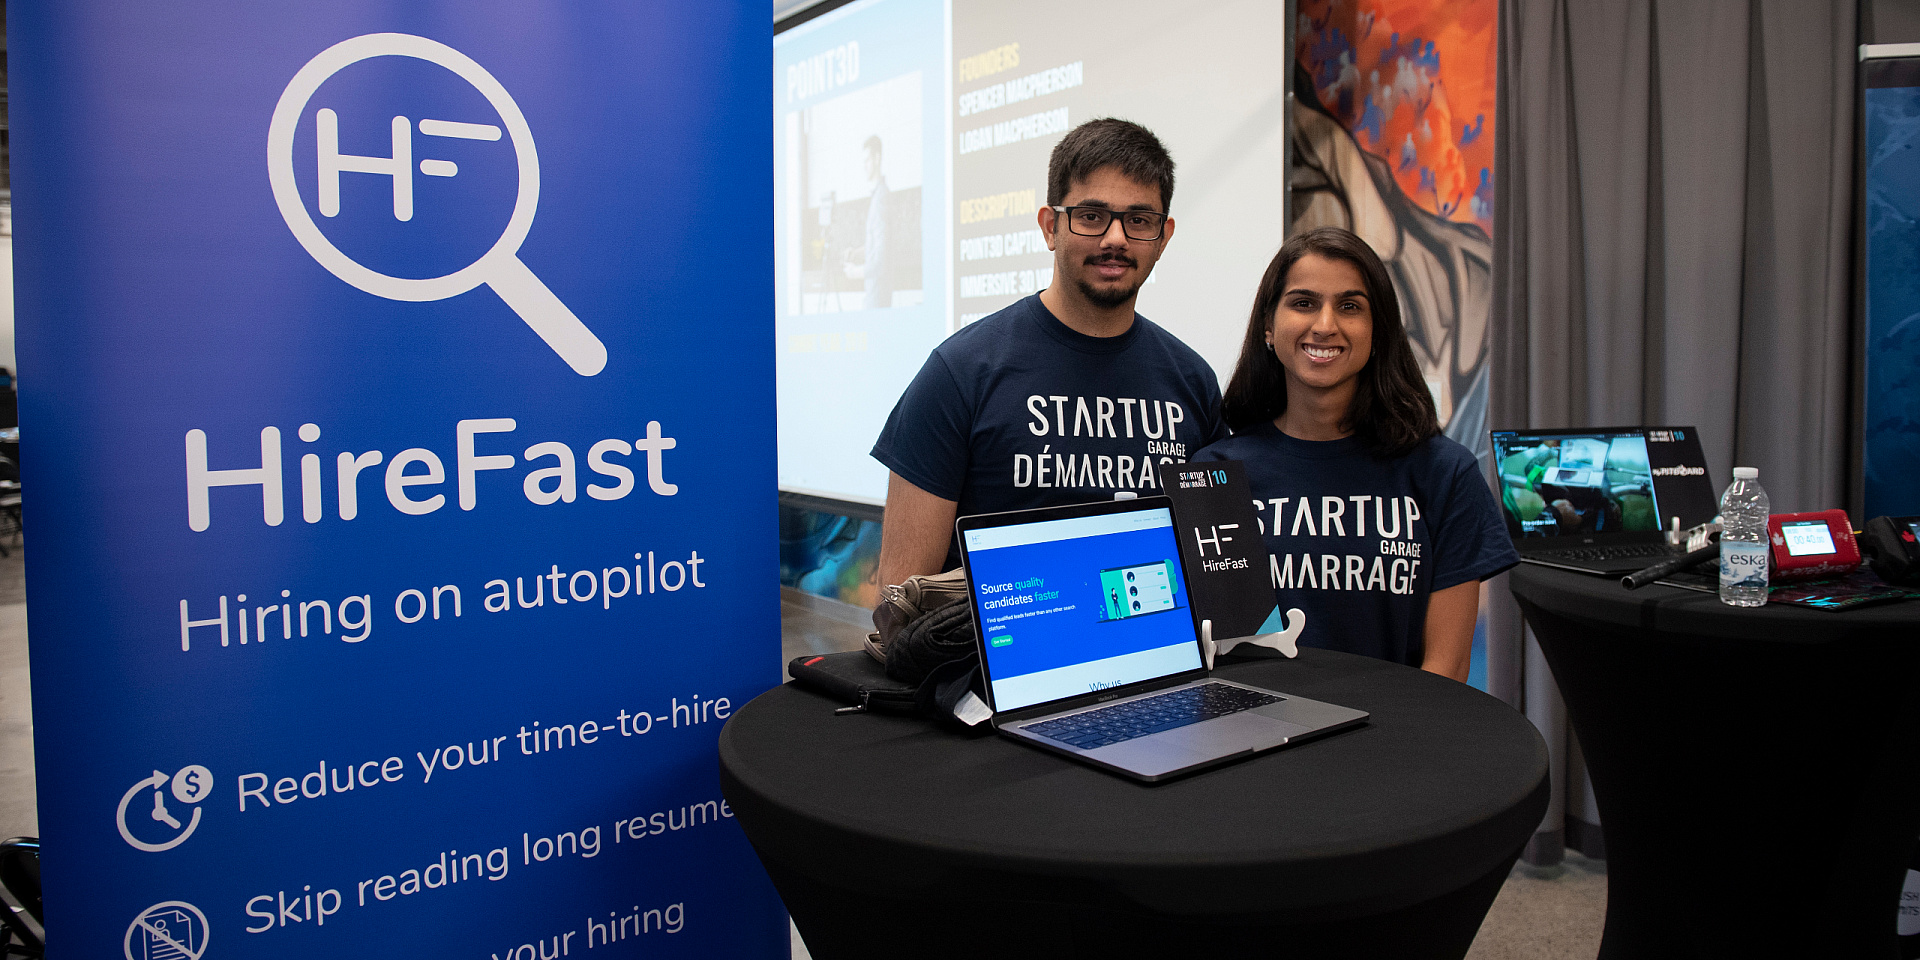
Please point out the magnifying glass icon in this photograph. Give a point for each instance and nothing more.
(500, 267)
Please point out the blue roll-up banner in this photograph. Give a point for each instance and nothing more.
(399, 448)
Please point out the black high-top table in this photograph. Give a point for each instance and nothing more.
(890, 838)
(1757, 769)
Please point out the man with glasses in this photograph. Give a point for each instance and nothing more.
(1066, 396)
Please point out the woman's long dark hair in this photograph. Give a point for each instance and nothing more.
(1392, 411)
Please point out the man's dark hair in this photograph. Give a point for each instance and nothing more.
(1122, 144)
(873, 144)
(1392, 409)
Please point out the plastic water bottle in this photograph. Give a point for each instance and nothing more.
(1743, 540)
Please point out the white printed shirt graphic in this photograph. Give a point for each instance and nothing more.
(1018, 411)
(1359, 542)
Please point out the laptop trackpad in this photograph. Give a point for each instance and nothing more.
(1153, 756)
(1199, 743)
(1232, 734)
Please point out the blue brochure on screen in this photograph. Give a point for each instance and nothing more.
(1222, 545)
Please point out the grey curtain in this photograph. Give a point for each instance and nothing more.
(1672, 244)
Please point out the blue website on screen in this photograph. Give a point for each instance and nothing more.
(1079, 605)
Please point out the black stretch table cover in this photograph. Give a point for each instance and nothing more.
(1432, 800)
(1755, 768)
(1678, 614)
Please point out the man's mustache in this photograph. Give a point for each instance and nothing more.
(1118, 258)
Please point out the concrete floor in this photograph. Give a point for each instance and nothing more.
(1546, 915)
(1537, 916)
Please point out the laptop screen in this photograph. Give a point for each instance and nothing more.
(1077, 605)
(1576, 482)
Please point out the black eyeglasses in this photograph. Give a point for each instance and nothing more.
(1094, 221)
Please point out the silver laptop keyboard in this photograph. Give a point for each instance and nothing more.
(1150, 715)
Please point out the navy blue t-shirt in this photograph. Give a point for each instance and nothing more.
(1359, 542)
(1018, 410)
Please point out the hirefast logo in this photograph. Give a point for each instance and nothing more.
(1679, 471)
(500, 267)
(416, 480)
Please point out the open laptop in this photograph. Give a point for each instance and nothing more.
(1089, 647)
(1598, 500)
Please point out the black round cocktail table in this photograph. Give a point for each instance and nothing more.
(1756, 769)
(888, 837)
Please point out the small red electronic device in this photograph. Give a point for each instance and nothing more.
(1807, 546)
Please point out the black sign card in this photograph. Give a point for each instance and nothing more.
(1682, 485)
(1222, 547)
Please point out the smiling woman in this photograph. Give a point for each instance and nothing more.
(1336, 428)
(1386, 401)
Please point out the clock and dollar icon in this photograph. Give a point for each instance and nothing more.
(161, 811)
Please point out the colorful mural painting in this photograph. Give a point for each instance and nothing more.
(1393, 138)
(829, 555)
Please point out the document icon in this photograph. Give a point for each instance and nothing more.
(167, 931)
